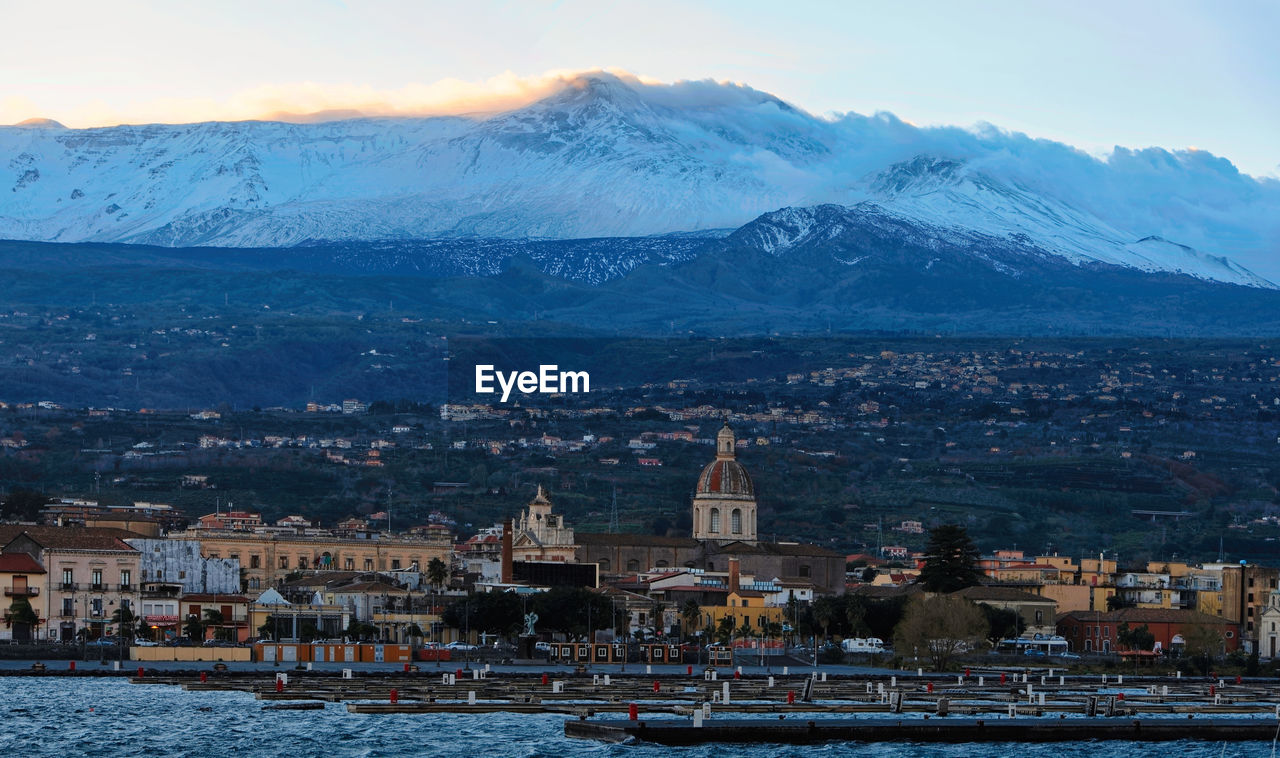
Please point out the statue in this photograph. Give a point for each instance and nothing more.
(530, 619)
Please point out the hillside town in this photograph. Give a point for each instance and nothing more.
(84, 572)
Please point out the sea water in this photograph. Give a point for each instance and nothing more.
(71, 716)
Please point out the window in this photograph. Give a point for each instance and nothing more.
(284, 561)
(715, 520)
(395, 564)
(182, 575)
(97, 606)
(604, 564)
(255, 561)
(349, 564)
(1039, 617)
(735, 521)
(661, 564)
(302, 562)
(804, 570)
(68, 580)
(126, 579)
(97, 579)
(368, 564)
(68, 606)
(253, 582)
(633, 565)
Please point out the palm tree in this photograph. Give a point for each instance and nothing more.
(825, 611)
(690, 613)
(724, 630)
(213, 619)
(437, 573)
(123, 618)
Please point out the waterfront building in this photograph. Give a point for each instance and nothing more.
(266, 559)
(89, 574)
(1098, 631)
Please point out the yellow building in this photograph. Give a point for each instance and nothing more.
(744, 606)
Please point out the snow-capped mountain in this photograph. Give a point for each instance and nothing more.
(610, 157)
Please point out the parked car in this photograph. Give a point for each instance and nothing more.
(1034, 652)
(144, 642)
(460, 645)
(1068, 656)
(102, 642)
(542, 647)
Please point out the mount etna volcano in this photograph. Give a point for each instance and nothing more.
(620, 205)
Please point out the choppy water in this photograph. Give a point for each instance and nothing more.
(109, 717)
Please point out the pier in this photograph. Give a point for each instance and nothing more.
(802, 732)
(685, 709)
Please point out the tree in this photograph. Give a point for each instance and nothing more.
(194, 629)
(1002, 624)
(940, 628)
(23, 505)
(1203, 644)
(213, 620)
(951, 561)
(21, 618)
(1135, 639)
(437, 573)
(855, 613)
(123, 619)
(690, 613)
(724, 629)
(826, 609)
(576, 611)
(492, 612)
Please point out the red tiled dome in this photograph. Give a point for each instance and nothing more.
(725, 476)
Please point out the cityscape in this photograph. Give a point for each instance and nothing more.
(519, 379)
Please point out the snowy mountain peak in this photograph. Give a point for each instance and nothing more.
(923, 173)
(40, 123)
(611, 156)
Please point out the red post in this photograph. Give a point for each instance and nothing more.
(966, 672)
(1211, 690)
(73, 666)
(737, 674)
(928, 687)
(633, 712)
(544, 678)
(656, 687)
(690, 670)
(1238, 679)
(279, 685)
(395, 696)
(791, 697)
(1002, 677)
(406, 668)
(1119, 696)
(457, 674)
(204, 676)
(140, 672)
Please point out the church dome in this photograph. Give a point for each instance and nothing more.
(725, 476)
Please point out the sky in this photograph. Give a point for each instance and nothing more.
(1090, 74)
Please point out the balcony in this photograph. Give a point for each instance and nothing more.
(68, 586)
(27, 591)
(97, 587)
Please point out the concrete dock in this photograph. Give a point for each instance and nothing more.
(804, 732)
